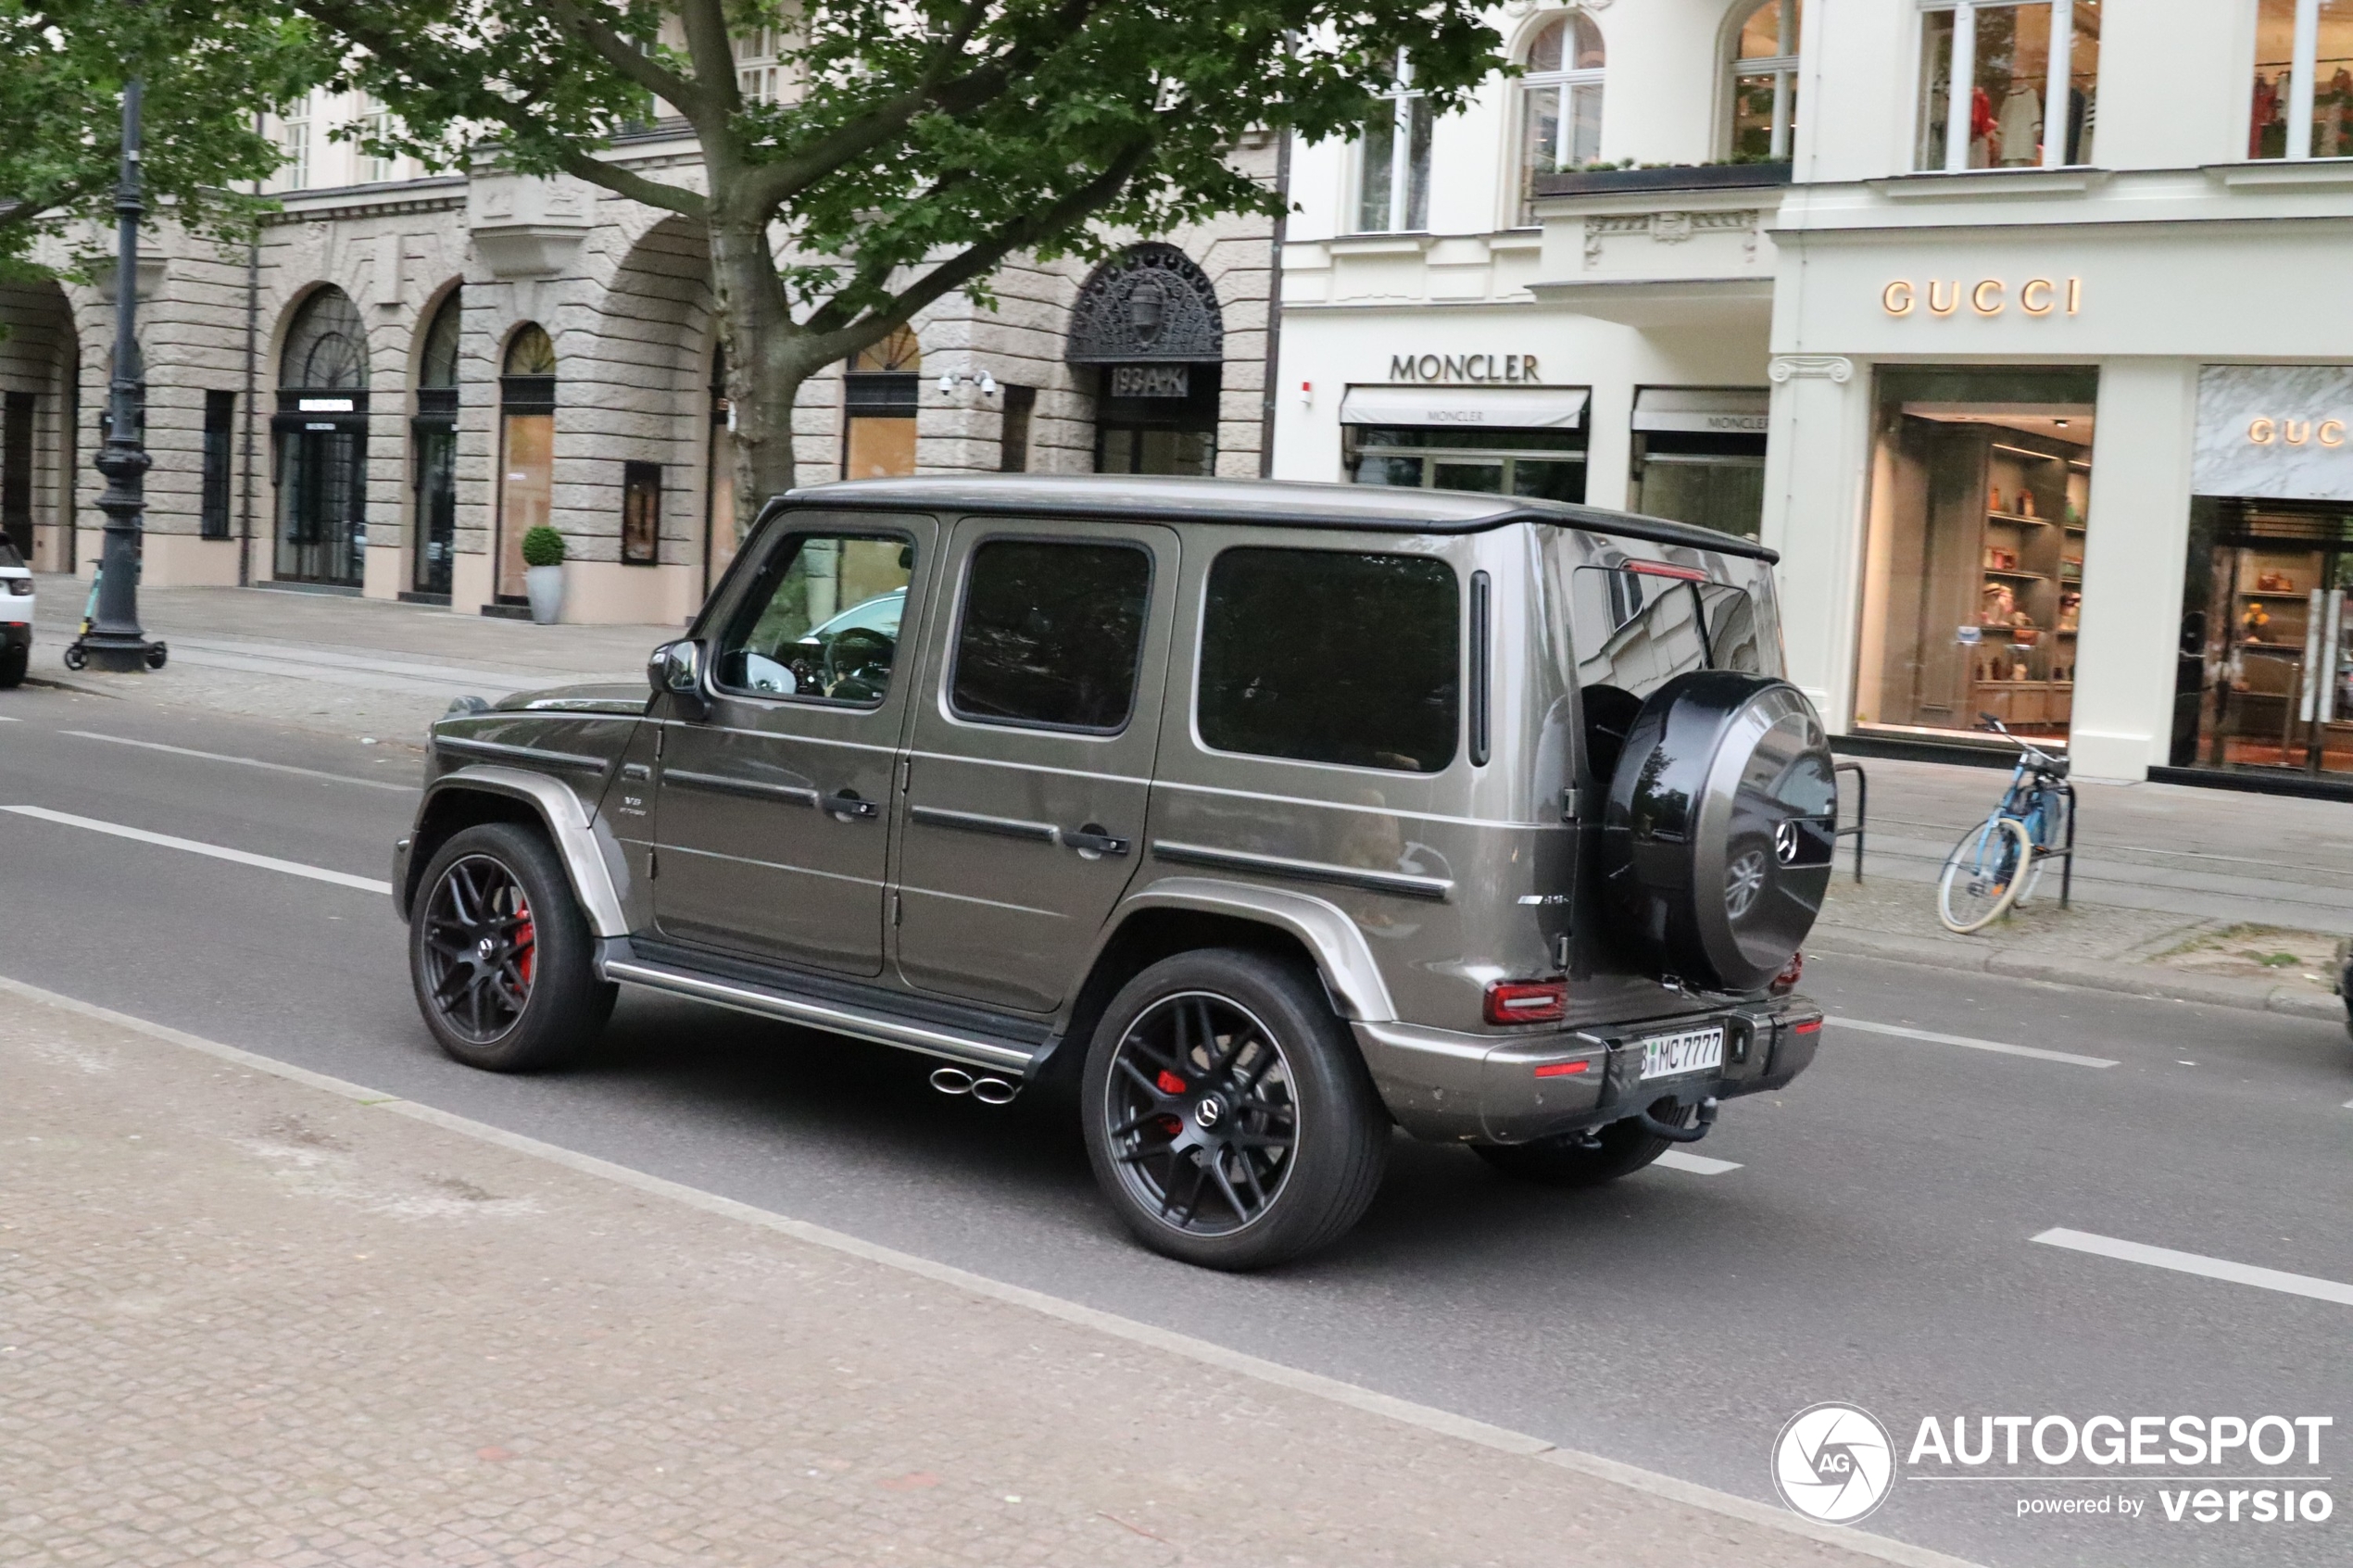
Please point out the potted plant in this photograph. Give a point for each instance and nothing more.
(542, 578)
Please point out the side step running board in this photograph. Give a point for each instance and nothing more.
(883, 1029)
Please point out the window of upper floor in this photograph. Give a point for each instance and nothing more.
(758, 77)
(2302, 104)
(294, 143)
(1560, 95)
(2029, 76)
(1392, 165)
(1764, 77)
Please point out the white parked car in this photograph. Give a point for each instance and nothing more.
(16, 616)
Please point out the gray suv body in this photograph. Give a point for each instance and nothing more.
(1265, 815)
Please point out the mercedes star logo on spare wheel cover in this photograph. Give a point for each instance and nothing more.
(1785, 843)
(1834, 1462)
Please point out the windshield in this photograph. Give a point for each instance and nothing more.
(8, 556)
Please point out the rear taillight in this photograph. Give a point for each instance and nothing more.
(1527, 1001)
(21, 586)
(1791, 972)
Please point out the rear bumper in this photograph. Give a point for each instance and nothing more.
(1481, 1088)
(15, 633)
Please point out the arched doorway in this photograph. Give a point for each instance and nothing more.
(526, 451)
(433, 437)
(39, 375)
(322, 443)
(1148, 324)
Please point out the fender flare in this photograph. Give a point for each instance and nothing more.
(1338, 946)
(580, 839)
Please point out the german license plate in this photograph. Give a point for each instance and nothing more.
(1694, 1050)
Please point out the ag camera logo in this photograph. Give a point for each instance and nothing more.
(1834, 1462)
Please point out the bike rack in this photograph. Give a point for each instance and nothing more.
(2067, 872)
(1863, 816)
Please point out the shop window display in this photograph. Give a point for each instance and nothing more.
(2266, 673)
(2031, 70)
(2276, 128)
(1547, 464)
(1973, 579)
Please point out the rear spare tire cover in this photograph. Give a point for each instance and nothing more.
(1718, 831)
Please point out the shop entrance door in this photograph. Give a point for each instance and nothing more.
(322, 533)
(2274, 638)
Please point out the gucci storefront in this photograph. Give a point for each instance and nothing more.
(2082, 476)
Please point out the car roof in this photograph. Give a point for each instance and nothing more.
(1257, 502)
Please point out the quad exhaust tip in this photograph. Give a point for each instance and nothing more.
(989, 1091)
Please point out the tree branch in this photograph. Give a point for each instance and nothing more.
(623, 54)
(636, 187)
(770, 184)
(983, 256)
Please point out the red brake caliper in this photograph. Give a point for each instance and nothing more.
(1171, 1084)
(524, 946)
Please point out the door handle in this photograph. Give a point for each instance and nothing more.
(1091, 841)
(848, 804)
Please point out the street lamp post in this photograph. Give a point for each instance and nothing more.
(116, 640)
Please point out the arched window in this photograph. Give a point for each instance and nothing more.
(322, 443)
(327, 347)
(526, 452)
(433, 434)
(2303, 102)
(1560, 101)
(1765, 81)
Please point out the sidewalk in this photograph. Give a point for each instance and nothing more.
(331, 662)
(257, 1317)
(2203, 894)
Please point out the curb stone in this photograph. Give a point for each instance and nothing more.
(1502, 1440)
(2131, 979)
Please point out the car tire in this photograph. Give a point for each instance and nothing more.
(500, 956)
(14, 661)
(1226, 1112)
(1579, 1159)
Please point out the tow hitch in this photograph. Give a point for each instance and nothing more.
(1673, 1134)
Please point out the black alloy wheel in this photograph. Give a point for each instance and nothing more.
(1201, 1119)
(1227, 1114)
(479, 948)
(499, 954)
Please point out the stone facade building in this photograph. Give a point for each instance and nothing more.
(407, 372)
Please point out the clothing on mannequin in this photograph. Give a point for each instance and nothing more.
(2020, 126)
(1981, 127)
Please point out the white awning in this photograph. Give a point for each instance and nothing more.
(1711, 410)
(1494, 407)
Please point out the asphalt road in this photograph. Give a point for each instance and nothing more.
(1874, 1244)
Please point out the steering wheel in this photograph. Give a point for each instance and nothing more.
(857, 664)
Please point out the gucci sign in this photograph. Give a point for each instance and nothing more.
(1987, 296)
(2264, 430)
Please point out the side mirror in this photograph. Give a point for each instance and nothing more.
(675, 670)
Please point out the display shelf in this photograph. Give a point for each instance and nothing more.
(2018, 517)
(2012, 572)
(2304, 596)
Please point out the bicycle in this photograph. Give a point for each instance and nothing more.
(1999, 863)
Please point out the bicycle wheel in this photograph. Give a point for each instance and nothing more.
(1982, 875)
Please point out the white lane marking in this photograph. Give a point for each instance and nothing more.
(1697, 1164)
(2037, 1052)
(246, 761)
(9, 718)
(218, 852)
(2193, 1263)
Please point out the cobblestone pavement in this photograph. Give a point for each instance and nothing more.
(248, 1320)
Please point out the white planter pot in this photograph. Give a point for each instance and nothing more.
(546, 586)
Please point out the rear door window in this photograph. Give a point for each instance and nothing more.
(1052, 633)
(1635, 630)
(1327, 655)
